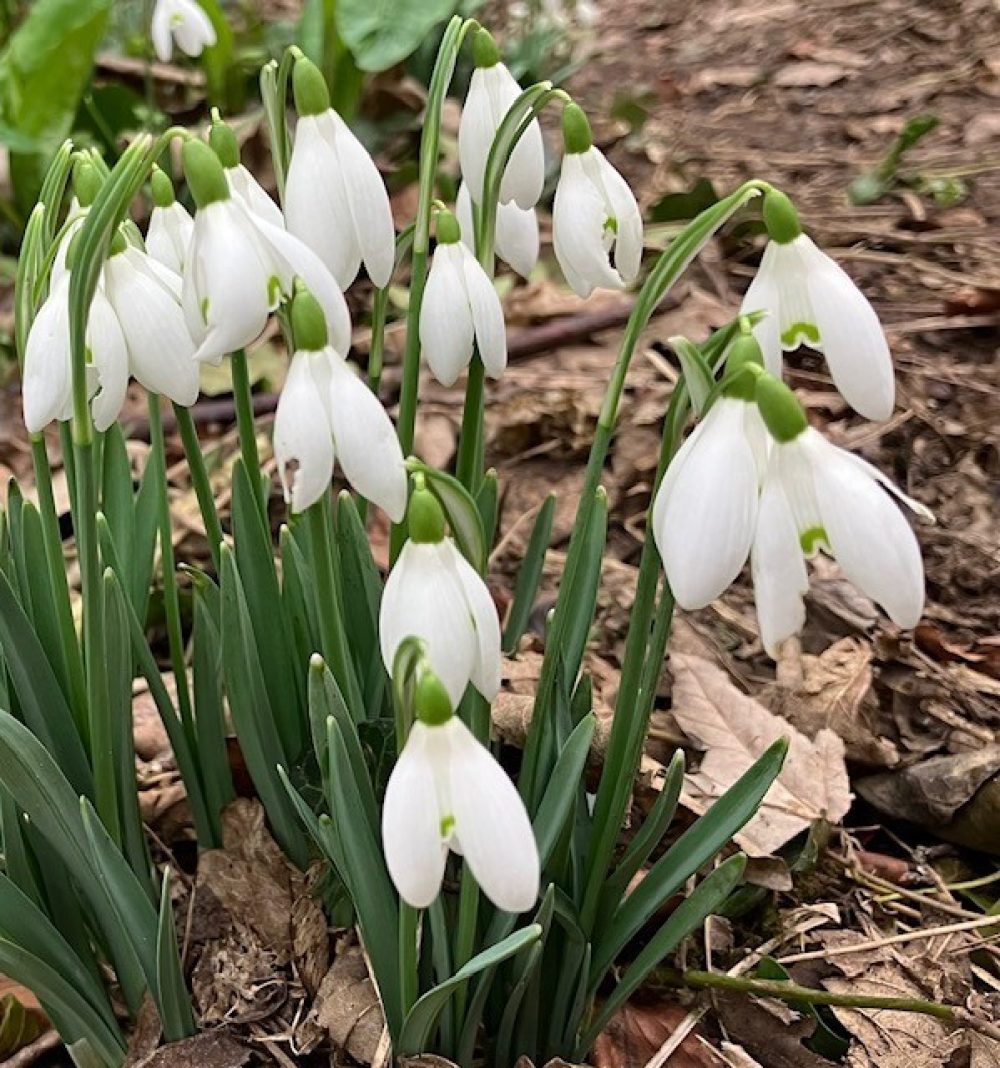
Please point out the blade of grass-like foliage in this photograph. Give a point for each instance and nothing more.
(559, 798)
(705, 899)
(529, 575)
(174, 1002)
(699, 843)
(421, 1019)
(362, 583)
(487, 504)
(209, 713)
(299, 603)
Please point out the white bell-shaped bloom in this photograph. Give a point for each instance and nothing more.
(325, 412)
(435, 594)
(446, 791)
(183, 21)
(596, 224)
(812, 301)
(492, 92)
(136, 326)
(75, 218)
(460, 308)
(817, 496)
(335, 199)
(705, 510)
(517, 241)
(169, 235)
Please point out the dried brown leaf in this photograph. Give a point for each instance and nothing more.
(347, 1005)
(734, 730)
(636, 1032)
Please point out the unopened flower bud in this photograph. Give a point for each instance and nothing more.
(87, 182)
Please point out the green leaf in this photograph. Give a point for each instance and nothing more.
(460, 510)
(697, 373)
(383, 33)
(560, 795)
(18, 1026)
(421, 1018)
(705, 899)
(529, 575)
(362, 591)
(699, 843)
(209, 713)
(43, 72)
(584, 602)
(173, 1002)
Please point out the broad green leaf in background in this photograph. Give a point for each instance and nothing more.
(380, 33)
(44, 71)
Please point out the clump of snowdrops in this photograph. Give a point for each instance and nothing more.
(493, 908)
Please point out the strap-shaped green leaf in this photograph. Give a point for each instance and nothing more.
(699, 843)
(529, 575)
(559, 799)
(209, 714)
(459, 509)
(705, 899)
(173, 1002)
(696, 370)
(422, 1017)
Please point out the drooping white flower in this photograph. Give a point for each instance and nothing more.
(325, 412)
(170, 226)
(435, 594)
(335, 200)
(136, 326)
(813, 301)
(596, 224)
(492, 92)
(460, 307)
(818, 496)
(242, 184)
(517, 241)
(447, 791)
(183, 21)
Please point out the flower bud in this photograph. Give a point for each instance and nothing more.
(448, 230)
(308, 321)
(204, 173)
(87, 182)
(484, 49)
(780, 409)
(431, 701)
(780, 217)
(425, 516)
(577, 137)
(163, 189)
(223, 141)
(309, 86)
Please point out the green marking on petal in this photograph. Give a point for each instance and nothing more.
(203, 308)
(447, 825)
(799, 332)
(813, 539)
(611, 225)
(274, 290)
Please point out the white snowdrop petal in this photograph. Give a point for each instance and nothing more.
(160, 32)
(415, 853)
(851, 338)
(764, 295)
(868, 534)
(517, 238)
(169, 235)
(491, 824)
(161, 351)
(303, 447)
(109, 353)
(371, 213)
(487, 670)
(316, 206)
(475, 132)
(244, 186)
(487, 313)
(464, 214)
(422, 598)
(779, 573)
(365, 440)
(705, 525)
(446, 326)
(193, 30)
(628, 219)
(45, 382)
(77, 215)
(578, 217)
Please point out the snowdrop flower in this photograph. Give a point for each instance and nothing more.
(705, 509)
(324, 412)
(460, 308)
(446, 791)
(595, 217)
(136, 326)
(86, 185)
(433, 593)
(335, 200)
(183, 21)
(516, 240)
(817, 496)
(242, 184)
(170, 226)
(492, 92)
(813, 301)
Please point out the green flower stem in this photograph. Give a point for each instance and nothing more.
(784, 990)
(409, 979)
(333, 636)
(471, 446)
(444, 68)
(171, 601)
(69, 646)
(667, 270)
(200, 480)
(246, 425)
